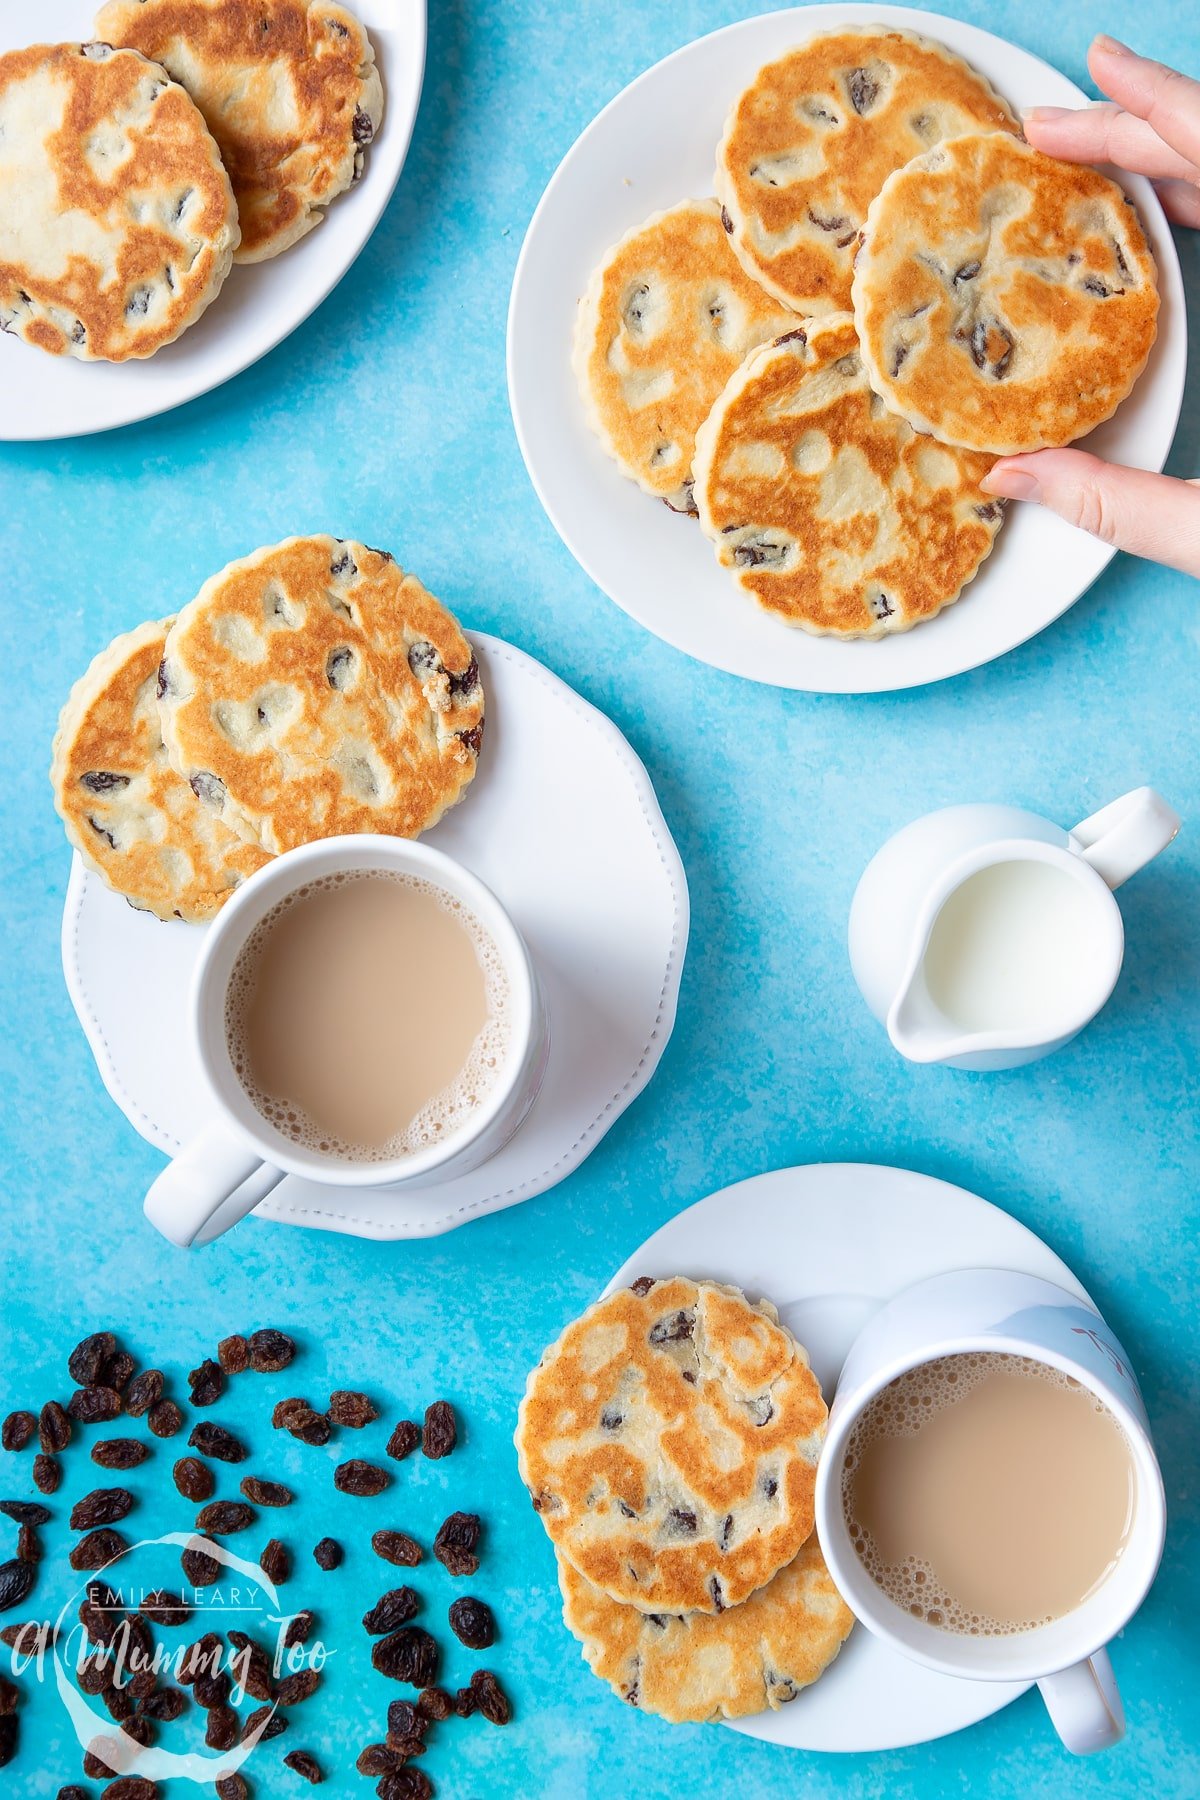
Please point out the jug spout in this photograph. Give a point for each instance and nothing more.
(918, 1028)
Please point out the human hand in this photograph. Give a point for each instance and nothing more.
(1151, 124)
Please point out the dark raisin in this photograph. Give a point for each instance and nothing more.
(266, 1493)
(10, 1734)
(207, 787)
(276, 1562)
(222, 1518)
(433, 1702)
(214, 1440)
(490, 1697)
(405, 1784)
(270, 1351)
(120, 1453)
(103, 1506)
(17, 1430)
(404, 1439)
(94, 1405)
(98, 1549)
(286, 1410)
(349, 1408)
(454, 1545)
(410, 1655)
(16, 1579)
(165, 1608)
(144, 1391)
(464, 1703)
(94, 1763)
(117, 1371)
(201, 1569)
(673, 1328)
(398, 1548)
(472, 739)
(72, 1791)
(406, 1722)
(295, 1688)
(201, 1658)
(377, 1759)
(681, 1522)
(299, 1630)
(310, 1427)
(440, 1433)
(25, 1512)
(29, 1545)
(390, 1611)
(361, 1478)
(233, 1354)
(165, 1419)
(28, 1637)
(94, 1678)
(303, 1764)
(206, 1383)
(266, 1722)
(362, 126)
(212, 1690)
(232, 1787)
(120, 1703)
(54, 1428)
(328, 1553)
(472, 1623)
(862, 89)
(47, 1473)
(194, 1479)
(165, 1704)
(338, 666)
(221, 1732)
(251, 1667)
(86, 1359)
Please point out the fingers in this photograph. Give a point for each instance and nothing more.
(1180, 202)
(1148, 515)
(1105, 134)
(1167, 100)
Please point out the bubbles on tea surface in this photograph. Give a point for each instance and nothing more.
(445, 1112)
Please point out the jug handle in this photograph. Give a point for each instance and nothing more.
(1122, 837)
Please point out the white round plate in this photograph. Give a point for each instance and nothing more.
(562, 823)
(829, 1243)
(654, 145)
(45, 396)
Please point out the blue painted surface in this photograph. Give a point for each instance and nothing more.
(385, 417)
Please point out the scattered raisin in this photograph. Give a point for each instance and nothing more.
(103, 1506)
(117, 1371)
(434, 1702)
(87, 1358)
(286, 1410)
(233, 1354)
(9, 1736)
(29, 1545)
(144, 1392)
(404, 1439)
(440, 1433)
(94, 1405)
(309, 1426)
(54, 1428)
(206, 1383)
(295, 1688)
(201, 1658)
(472, 1623)
(47, 1473)
(165, 1419)
(25, 1512)
(351, 1409)
(328, 1553)
(165, 1608)
(397, 1547)
(28, 1637)
(266, 1493)
(299, 1630)
(490, 1697)
(98, 1549)
(120, 1453)
(17, 1430)
(251, 1666)
(464, 1702)
(165, 1704)
(72, 1791)
(407, 1724)
(221, 1733)
(377, 1759)
(270, 1351)
(360, 1478)
(272, 1723)
(232, 1787)
(212, 1690)
(16, 1579)
(130, 1787)
(119, 1702)
(194, 1479)
(276, 1562)
(454, 1545)
(222, 1518)
(304, 1764)
(201, 1569)
(390, 1611)
(405, 1784)
(214, 1440)
(93, 1758)
(410, 1655)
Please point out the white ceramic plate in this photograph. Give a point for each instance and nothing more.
(829, 1243)
(655, 144)
(562, 822)
(56, 397)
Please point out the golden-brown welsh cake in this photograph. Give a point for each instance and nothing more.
(826, 508)
(704, 1666)
(811, 141)
(131, 817)
(117, 221)
(314, 688)
(669, 1441)
(667, 317)
(1004, 300)
(290, 91)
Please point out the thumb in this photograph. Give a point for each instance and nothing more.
(1149, 515)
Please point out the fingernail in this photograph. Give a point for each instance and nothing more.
(1113, 45)
(1011, 484)
(1041, 115)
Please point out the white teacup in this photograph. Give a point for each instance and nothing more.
(994, 1310)
(233, 1164)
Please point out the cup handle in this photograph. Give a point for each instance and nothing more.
(1123, 836)
(209, 1186)
(1084, 1705)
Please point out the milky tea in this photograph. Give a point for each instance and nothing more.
(988, 1494)
(368, 1015)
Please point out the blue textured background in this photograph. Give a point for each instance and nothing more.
(385, 417)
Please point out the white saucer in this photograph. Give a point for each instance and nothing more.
(829, 1243)
(654, 145)
(261, 303)
(562, 822)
